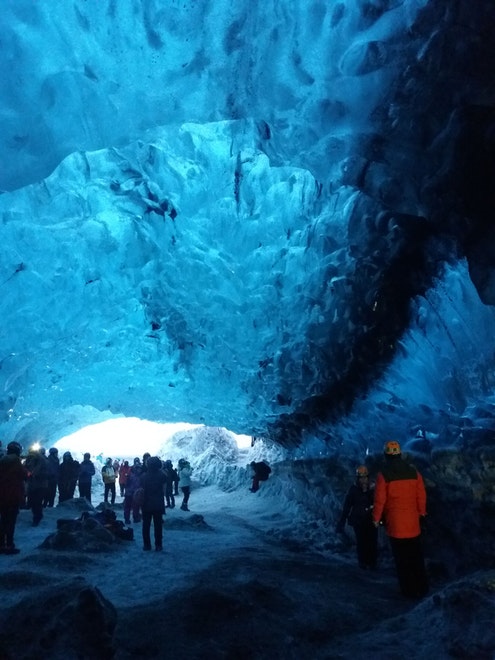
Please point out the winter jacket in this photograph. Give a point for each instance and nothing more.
(68, 473)
(37, 468)
(261, 470)
(153, 482)
(400, 498)
(12, 477)
(185, 473)
(86, 471)
(124, 472)
(133, 481)
(357, 508)
(108, 474)
(53, 465)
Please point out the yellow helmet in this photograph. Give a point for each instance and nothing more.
(392, 448)
(362, 471)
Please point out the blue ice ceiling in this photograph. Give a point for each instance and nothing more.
(275, 217)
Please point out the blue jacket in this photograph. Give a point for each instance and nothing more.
(86, 471)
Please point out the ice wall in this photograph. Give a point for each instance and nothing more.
(249, 210)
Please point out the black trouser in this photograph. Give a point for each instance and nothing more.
(157, 528)
(410, 566)
(186, 490)
(169, 496)
(36, 496)
(85, 490)
(50, 492)
(366, 544)
(109, 488)
(66, 491)
(8, 518)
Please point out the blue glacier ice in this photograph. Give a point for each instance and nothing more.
(265, 218)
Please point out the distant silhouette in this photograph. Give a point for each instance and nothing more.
(261, 472)
(357, 512)
(67, 477)
(185, 472)
(86, 473)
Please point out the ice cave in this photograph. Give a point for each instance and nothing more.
(262, 219)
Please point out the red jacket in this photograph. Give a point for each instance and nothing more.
(124, 472)
(400, 498)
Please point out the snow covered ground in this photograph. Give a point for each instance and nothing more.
(227, 585)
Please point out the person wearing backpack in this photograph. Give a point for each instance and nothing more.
(109, 477)
(261, 472)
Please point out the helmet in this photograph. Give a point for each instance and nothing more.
(53, 450)
(14, 448)
(362, 471)
(392, 448)
(182, 461)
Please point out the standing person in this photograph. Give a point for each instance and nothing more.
(37, 468)
(153, 482)
(67, 477)
(12, 477)
(261, 472)
(124, 471)
(176, 481)
(86, 473)
(185, 471)
(400, 498)
(109, 478)
(170, 474)
(357, 512)
(53, 465)
(133, 483)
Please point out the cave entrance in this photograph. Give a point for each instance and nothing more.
(126, 437)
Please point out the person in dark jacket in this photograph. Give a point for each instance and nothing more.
(86, 473)
(261, 472)
(37, 467)
(12, 479)
(153, 507)
(357, 512)
(132, 484)
(53, 466)
(400, 499)
(67, 477)
(170, 474)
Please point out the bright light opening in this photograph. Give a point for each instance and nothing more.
(126, 437)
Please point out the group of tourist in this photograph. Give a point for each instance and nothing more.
(32, 482)
(150, 485)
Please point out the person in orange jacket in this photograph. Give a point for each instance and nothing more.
(400, 500)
